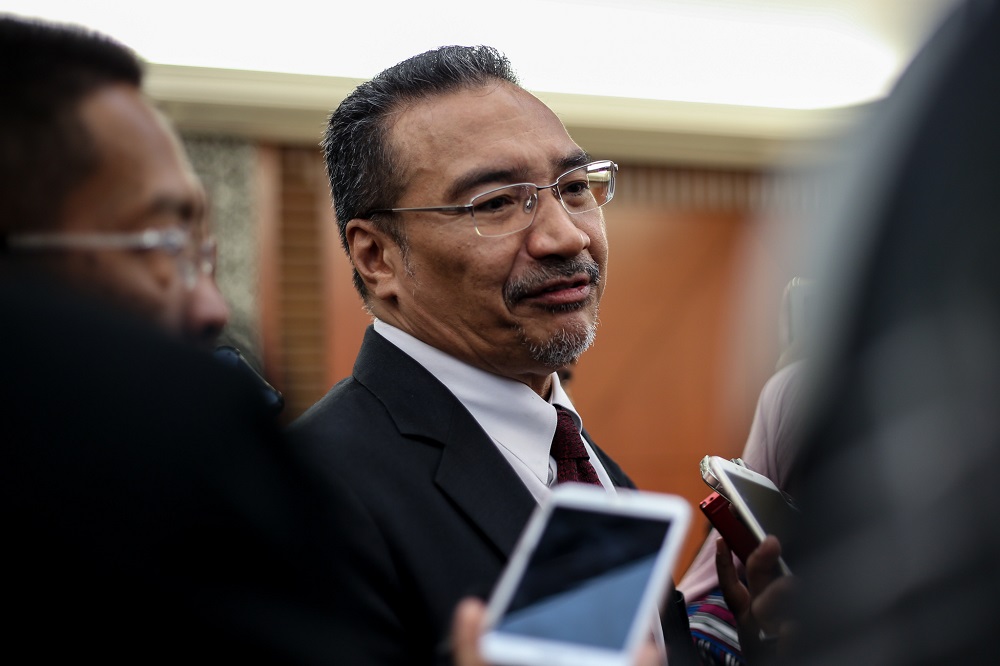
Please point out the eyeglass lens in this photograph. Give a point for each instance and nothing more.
(198, 258)
(506, 210)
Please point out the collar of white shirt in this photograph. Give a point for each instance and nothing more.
(520, 422)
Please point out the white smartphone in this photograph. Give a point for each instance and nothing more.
(586, 578)
(762, 507)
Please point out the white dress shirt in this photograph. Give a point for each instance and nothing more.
(520, 422)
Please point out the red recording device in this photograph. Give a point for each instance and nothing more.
(720, 513)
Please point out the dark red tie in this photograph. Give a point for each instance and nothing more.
(572, 461)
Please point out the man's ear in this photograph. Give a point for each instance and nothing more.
(376, 257)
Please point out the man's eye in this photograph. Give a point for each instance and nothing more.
(575, 188)
(495, 205)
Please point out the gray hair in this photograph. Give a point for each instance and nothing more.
(364, 173)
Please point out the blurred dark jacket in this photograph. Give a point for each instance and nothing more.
(151, 512)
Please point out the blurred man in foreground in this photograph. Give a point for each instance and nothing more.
(896, 563)
(97, 191)
(151, 513)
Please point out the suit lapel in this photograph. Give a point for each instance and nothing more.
(476, 476)
(472, 472)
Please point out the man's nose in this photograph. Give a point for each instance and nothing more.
(555, 232)
(207, 311)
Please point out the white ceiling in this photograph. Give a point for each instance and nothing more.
(759, 70)
(776, 53)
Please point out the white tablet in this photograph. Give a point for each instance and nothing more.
(587, 577)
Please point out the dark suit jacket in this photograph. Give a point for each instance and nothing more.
(150, 511)
(447, 506)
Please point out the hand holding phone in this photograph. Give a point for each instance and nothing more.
(585, 580)
(759, 504)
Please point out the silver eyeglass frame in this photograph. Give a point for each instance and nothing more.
(531, 204)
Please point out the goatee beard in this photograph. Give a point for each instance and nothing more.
(563, 348)
(568, 343)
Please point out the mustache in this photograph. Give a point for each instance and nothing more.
(548, 269)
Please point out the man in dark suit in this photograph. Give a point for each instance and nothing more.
(474, 226)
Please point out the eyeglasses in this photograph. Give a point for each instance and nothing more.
(509, 209)
(193, 256)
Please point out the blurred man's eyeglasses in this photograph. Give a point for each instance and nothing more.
(195, 255)
(509, 209)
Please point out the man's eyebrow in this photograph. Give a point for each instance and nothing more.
(575, 160)
(189, 209)
(479, 177)
(473, 179)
